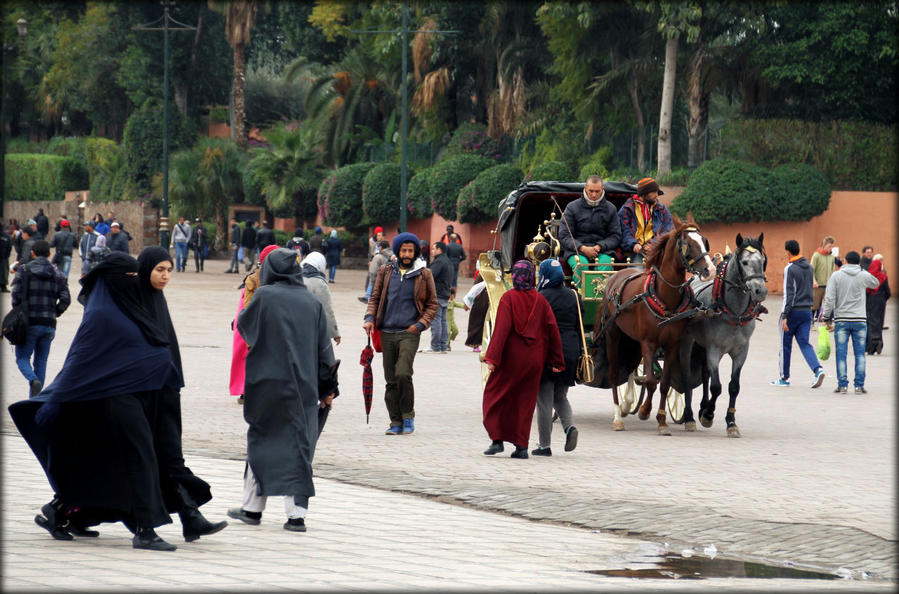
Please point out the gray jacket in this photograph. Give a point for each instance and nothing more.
(844, 299)
(590, 225)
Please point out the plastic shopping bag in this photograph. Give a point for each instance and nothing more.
(823, 343)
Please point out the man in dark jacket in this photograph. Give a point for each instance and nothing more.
(456, 255)
(41, 223)
(234, 246)
(796, 316)
(64, 243)
(5, 251)
(118, 239)
(265, 237)
(317, 241)
(48, 298)
(248, 243)
(402, 305)
(590, 229)
(199, 238)
(27, 244)
(442, 271)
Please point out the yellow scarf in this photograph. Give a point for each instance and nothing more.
(644, 223)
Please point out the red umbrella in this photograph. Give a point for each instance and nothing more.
(365, 359)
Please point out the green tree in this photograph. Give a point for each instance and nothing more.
(240, 16)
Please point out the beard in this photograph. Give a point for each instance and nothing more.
(406, 262)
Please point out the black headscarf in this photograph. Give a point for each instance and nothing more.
(124, 289)
(281, 266)
(154, 299)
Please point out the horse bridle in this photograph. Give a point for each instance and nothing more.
(743, 277)
(683, 248)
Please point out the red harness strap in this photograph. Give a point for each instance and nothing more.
(752, 311)
(656, 304)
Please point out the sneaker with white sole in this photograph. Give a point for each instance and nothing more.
(819, 378)
(860, 390)
(781, 383)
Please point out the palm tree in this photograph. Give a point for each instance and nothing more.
(240, 16)
(220, 177)
(289, 166)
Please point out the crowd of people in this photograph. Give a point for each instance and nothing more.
(110, 441)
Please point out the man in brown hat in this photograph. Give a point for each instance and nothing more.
(643, 218)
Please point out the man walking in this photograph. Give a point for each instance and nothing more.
(265, 237)
(234, 245)
(41, 223)
(456, 255)
(844, 312)
(5, 251)
(822, 268)
(248, 243)
(48, 297)
(90, 242)
(118, 239)
(180, 238)
(442, 271)
(64, 244)
(284, 389)
(199, 238)
(796, 316)
(403, 304)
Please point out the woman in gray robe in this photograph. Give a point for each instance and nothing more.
(288, 378)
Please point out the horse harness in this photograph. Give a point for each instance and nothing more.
(753, 308)
(650, 297)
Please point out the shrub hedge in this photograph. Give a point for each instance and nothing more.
(853, 155)
(471, 139)
(450, 176)
(477, 201)
(551, 171)
(343, 201)
(42, 177)
(418, 194)
(729, 191)
(381, 193)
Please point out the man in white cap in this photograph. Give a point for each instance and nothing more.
(118, 240)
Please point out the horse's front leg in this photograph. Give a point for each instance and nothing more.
(707, 412)
(649, 353)
(685, 355)
(664, 386)
(612, 338)
(733, 389)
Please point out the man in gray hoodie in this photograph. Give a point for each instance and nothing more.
(844, 312)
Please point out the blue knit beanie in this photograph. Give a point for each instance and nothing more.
(406, 237)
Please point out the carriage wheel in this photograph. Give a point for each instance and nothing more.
(676, 405)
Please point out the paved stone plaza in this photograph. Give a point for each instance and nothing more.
(810, 484)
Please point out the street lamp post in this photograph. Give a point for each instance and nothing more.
(165, 28)
(22, 30)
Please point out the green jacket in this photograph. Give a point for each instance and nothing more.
(822, 267)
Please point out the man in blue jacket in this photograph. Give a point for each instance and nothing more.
(796, 316)
(643, 219)
(590, 229)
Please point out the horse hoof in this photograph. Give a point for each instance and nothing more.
(690, 426)
(643, 415)
(706, 422)
(617, 425)
(664, 430)
(733, 432)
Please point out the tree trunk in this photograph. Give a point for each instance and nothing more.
(696, 95)
(237, 133)
(219, 241)
(664, 148)
(641, 124)
(181, 91)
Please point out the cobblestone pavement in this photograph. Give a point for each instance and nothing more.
(810, 483)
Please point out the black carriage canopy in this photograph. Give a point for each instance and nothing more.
(531, 203)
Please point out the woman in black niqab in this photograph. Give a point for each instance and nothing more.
(183, 491)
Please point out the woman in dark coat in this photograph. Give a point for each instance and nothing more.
(184, 492)
(88, 429)
(876, 302)
(332, 255)
(553, 393)
(525, 339)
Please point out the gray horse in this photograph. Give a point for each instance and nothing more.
(735, 295)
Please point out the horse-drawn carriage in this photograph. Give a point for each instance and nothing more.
(529, 221)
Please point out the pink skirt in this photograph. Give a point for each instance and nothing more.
(238, 355)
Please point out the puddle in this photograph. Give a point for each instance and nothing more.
(677, 567)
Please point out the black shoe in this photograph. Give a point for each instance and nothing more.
(146, 538)
(82, 531)
(541, 451)
(295, 525)
(494, 448)
(194, 525)
(571, 438)
(362, 299)
(238, 513)
(520, 453)
(57, 532)
(35, 387)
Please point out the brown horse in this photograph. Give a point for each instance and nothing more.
(635, 304)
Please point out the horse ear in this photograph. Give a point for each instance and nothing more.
(676, 220)
(706, 242)
(761, 238)
(739, 240)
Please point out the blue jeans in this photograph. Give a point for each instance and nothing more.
(66, 264)
(799, 323)
(439, 329)
(332, 270)
(38, 342)
(180, 255)
(858, 331)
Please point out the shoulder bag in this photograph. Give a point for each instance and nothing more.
(15, 323)
(584, 374)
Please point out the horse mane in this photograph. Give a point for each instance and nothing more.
(657, 248)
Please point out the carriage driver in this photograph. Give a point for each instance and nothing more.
(590, 230)
(643, 218)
